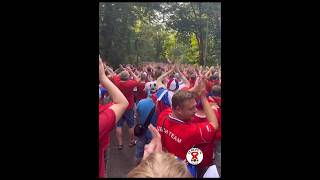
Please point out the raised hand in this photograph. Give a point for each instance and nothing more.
(101, 68)
(155, 145)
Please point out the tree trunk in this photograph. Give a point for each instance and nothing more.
(201, 50)
(199, 32)
(200, 41)
(158, 50)
(201, 38)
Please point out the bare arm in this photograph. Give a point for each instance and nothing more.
(109, 71)
(155, 145)
(159, 80)
(209, 72)
(211, 116)
(132, 74)
(184, 79)
(195, 88)
(120, 103)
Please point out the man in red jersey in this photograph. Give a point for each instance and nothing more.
(141, 93)
(210, 149)
(126, 86)
(179, 133)
(108, 115)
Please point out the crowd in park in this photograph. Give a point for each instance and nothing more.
(170, 109)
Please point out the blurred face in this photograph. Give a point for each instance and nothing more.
(187, 110)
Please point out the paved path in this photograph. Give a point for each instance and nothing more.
(119, 162)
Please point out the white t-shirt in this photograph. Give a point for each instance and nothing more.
(212, 172)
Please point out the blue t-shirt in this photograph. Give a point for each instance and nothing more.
(143, 108)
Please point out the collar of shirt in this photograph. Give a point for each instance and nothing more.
(175, 119)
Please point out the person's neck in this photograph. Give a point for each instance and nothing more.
(177, 116)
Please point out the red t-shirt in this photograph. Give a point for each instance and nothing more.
(141, 94)
(178, 136)
(126, 87)
(215, 82)
(203, 119)
(209, 148)
(217, 99)
(191, 82)
(209, 84)
(107, 120)
(218, 133)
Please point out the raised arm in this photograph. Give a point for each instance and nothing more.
(160, 78)
(120, 103)
(132, 74)
(206, 106)
(109, 71)
(209, 72)
(184, 79)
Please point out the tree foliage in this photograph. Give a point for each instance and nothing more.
(136, 32)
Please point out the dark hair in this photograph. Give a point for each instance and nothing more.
(216, 90)
(193, 77)
(213, 77)
(119, 70)
(180, 96)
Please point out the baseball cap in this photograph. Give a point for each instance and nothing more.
(124, 75)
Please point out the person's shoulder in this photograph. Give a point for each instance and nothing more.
(116, 77)
(129, 83)
(132, 81)
(205, 126)
(104, 107)
(107, 114)
(141, 102)
(166, 112)
(148, 101)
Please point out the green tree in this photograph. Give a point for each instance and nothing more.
(136, 32)
(195, 18)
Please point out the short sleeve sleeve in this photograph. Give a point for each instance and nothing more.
(107, 120)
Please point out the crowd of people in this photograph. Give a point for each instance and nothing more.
(179, 103)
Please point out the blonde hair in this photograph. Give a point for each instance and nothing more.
(160, 165)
